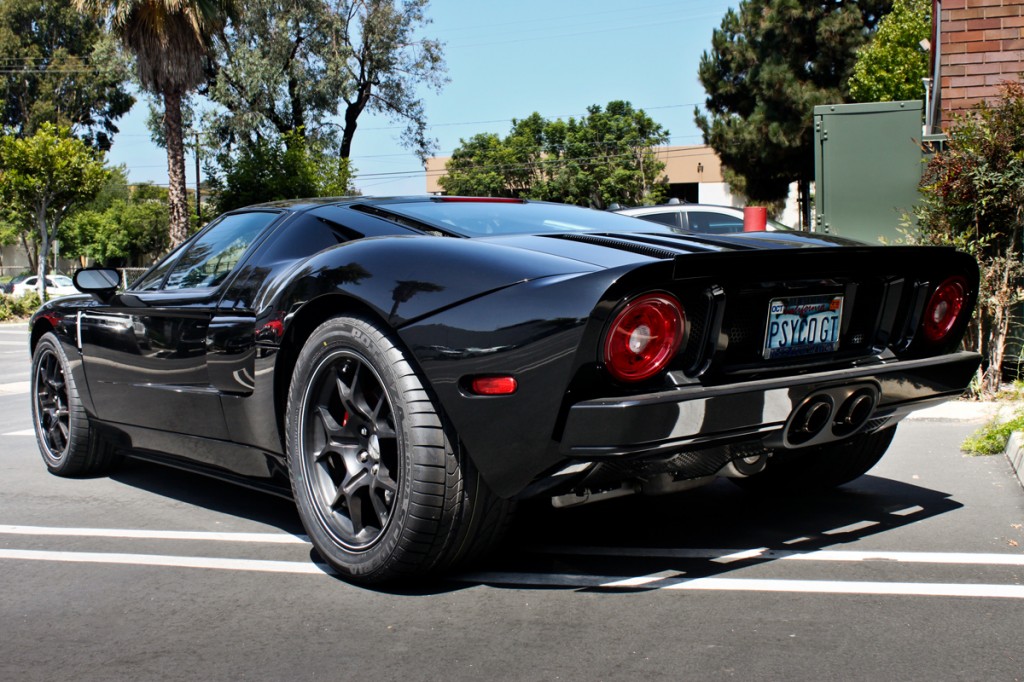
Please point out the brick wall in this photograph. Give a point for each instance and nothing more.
(982, 45)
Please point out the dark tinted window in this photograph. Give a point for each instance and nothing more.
(210, 258)
(305, 236)
(670, 218)
(713, 223)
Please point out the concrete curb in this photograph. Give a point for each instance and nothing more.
(1015, 454)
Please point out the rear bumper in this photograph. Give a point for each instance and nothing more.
(701, 416)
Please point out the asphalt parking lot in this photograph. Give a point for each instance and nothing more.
(915, 571)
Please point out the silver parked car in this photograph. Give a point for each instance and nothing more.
(706, 218)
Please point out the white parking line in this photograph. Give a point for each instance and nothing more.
(15, 387)
(666, 580)
(716, 555)
(756, 585)
(25, 432)
(548, 579)
(763, 553)
(258, 565)
(272, 538)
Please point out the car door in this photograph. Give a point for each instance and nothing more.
(146, 352)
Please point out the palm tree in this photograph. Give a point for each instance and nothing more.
(171, 41)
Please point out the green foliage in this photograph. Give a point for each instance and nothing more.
(60, 67)
(991, 439)
(770, 63)
(18, 308)
(607, 156)
(289, 65)
(44, 177)
(122, 226)
(891, 66)
(973, 199)
(286, 168)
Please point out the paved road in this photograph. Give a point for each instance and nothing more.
(916, 571)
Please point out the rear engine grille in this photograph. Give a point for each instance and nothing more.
(622, 245)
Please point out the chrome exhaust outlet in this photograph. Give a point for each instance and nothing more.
(854, 412)
(830, 414)
(810, 419)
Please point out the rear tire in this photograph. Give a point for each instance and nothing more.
(821, 467)
(65, 437)
(379, 481)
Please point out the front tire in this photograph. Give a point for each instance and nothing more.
(820, 467)
(379, 482)
(63, 432)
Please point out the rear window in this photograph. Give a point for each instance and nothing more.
(486, 219)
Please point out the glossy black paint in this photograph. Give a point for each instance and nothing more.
(199, 378)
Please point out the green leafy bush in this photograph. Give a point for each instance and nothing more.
(15, 308)
(991, 439)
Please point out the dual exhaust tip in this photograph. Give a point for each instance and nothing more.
(830, 415)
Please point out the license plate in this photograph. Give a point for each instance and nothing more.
(802, 325)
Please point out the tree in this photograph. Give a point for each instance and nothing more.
(770, 64)
(43, 178)
(171, 43)
(973, 199)
(290, 65)
(487, 165)
(60, 67)
(607, 156)
(891, 66)
(286, 168)
(122, 226)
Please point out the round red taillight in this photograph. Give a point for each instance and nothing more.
(644, 337)
(943, 309)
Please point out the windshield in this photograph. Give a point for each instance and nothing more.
(493, 218)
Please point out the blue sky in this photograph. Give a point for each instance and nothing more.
(508, 59)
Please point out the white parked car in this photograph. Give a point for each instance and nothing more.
(56, 285)
(705, 218)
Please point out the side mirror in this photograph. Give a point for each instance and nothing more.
(102, 282)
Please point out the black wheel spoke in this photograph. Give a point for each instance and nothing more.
(381, 508)
(348, 421)
(350, 391)
(385, 483)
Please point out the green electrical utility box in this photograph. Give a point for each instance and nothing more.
(867, 166)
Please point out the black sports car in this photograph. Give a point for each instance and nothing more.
(407, 369)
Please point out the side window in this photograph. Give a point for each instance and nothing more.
(152, 280)
(670, 218)
(215, 254)
(713, 223)
(310, 234)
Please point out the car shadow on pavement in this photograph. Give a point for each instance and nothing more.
(694, 534)
(209, 493)
(675, 534)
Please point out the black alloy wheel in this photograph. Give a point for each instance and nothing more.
(380, 483)
(350, 449)
(63, 432)
(53, 420)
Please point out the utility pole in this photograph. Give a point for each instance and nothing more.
(199, 208)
